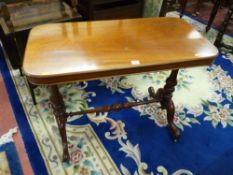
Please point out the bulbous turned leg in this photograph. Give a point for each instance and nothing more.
(59, 111)
(168, 104)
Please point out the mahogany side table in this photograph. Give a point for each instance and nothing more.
(61, 53)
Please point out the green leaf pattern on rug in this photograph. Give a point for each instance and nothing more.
(223, 82)
(115, 84)
(218, 113)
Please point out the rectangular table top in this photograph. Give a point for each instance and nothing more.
(59, 53)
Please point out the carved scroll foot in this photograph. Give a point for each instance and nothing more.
(175, 133)
(59, 111)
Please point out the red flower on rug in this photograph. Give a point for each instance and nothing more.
(76, 156)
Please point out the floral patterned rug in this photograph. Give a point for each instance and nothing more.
(134, 141)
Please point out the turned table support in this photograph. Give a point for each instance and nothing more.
(59, 111)
(167, 103)
(164, 95)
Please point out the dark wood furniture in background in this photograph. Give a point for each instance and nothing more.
(217, 5)
(199, 4)
(171, 5)
(218, 42)
(18, 17)
(214, 11)
(110, 9)
(130, 46)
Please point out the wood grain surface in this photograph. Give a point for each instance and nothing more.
(59, 53)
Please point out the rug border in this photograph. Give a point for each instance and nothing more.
(34, 156)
